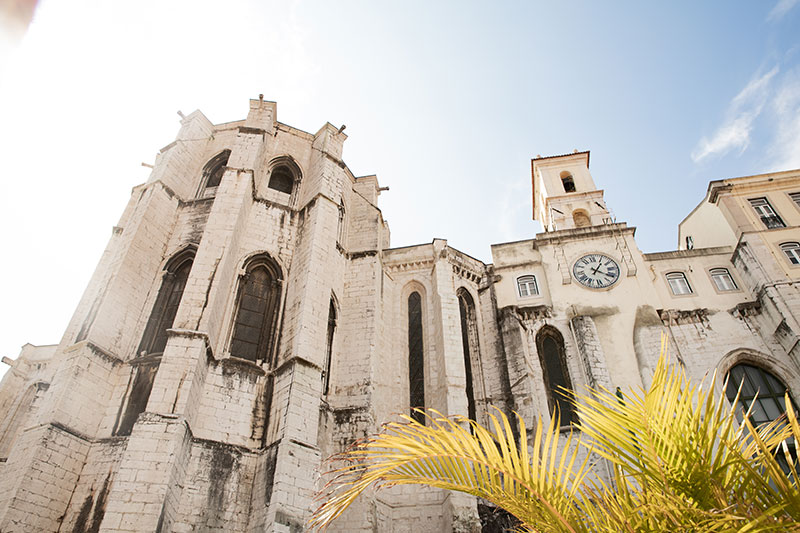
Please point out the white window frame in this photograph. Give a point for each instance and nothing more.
(766, 213)
(679, 283)
(792, 252)
(722, 280)
(525, 284)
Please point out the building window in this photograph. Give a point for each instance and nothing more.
(165, 308)
(416, 361)
(256, 310)
(792, 251)
(526, 285)
(767, 214)
(678, 283)
(722, 279)
(567, 182)
(765, 393)
(326, 376)
(689, 242)
(550, 345)
(795, 196)
(469, 342)
(214, 169)
(340, 228)
(282, 179)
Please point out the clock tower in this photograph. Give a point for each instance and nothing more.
(564, 193)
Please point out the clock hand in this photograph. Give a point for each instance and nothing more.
(596, 268)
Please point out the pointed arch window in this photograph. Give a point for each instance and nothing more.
(760, 388)
(416, 360)
(469, 342)
(764, 393)
(282, 179)
(214, 169)
(256, 310)
(326, 376)
(165, 308)
(550, 346)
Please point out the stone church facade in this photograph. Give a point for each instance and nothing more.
(249, 318)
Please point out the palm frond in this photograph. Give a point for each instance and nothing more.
(456, 454)
(678, 456)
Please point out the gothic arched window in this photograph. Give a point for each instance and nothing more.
(282, 179)
(760, 388)
(765, 393)
(214, 169)
(550, 345)
(469, 342)
(169, 297)
(326, 376)
(256, 310)
(416, 359)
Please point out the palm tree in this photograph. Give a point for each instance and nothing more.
(676, 459)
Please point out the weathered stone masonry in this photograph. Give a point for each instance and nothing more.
(146, 417)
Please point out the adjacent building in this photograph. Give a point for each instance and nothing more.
(249, 318)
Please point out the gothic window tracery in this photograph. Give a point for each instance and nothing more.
(214, 169)
(154, 339)
(256, 310)
(763, 394)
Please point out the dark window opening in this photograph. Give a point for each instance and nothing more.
(416, 371)
(282, 179)
(466, 307)
(137, 397)
(568, 183)
(765, 394)
(169, 297)
(326, 376)
(257, 303)
(214, 169)
(550, 346)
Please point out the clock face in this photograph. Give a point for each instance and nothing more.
(596, 271)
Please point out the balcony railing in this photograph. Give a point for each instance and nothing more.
(773, 221)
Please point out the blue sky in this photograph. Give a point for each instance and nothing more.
(446, 102)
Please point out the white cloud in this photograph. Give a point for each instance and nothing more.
(734, 133)
(785, 148)
(781, 8)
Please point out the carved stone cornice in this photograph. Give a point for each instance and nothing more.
(406, 266)
(677, 317)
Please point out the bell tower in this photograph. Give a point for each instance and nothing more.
(564, 193)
